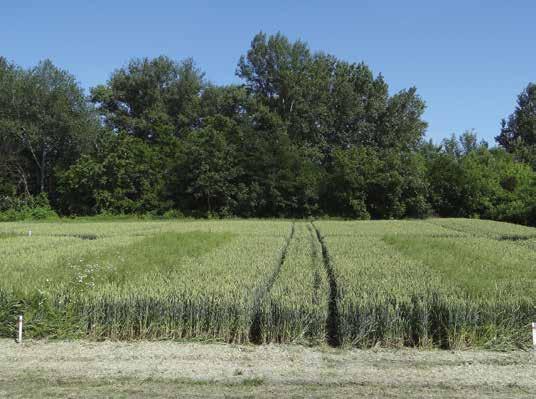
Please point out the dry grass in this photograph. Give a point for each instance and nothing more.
(171, 369)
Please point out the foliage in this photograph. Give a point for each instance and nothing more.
(518, 133)
(46, 123)
(471, 180)
(366, 183)
(124, 176)
(303, 134)
(26, 208)
(151, 98)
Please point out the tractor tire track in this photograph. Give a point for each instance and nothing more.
(255, 331)
(333, 334)
(317, 264)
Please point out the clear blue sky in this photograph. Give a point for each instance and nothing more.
(468, 59)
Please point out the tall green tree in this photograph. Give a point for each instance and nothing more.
(123, 175)
(46, 116)
(326, 102)
(151, 99)
(14, 169)
(469, 180)
(367, 183)
(204, 174)
(518, 132)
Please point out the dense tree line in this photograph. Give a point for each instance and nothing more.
(304, 134)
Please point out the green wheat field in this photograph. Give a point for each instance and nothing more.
(436, 283)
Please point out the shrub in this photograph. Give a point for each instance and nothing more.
(26, 208)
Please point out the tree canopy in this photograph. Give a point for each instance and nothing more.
(518, 132)
(303, 134)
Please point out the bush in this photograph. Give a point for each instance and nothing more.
(26, 208)
(173, 214)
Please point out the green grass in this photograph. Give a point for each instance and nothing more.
(482, 267)
(484, 228)
(7, 235)
(160, 254)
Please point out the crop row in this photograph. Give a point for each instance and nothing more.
(441, 283)
(296, 307)
(446, 289)
(189, 280)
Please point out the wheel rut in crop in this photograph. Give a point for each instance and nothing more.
(333, 335)
(317, 265)
(255, 331)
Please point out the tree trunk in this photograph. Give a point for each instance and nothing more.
(23, 180)
(42, 170)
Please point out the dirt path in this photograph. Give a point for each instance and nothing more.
(168, 369)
